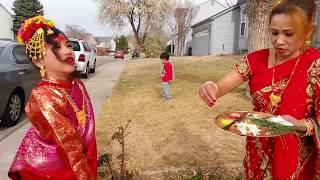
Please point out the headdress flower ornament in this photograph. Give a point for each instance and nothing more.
(31, 33)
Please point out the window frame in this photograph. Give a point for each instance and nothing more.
(243, 29)
(79, 49)
(243, 23)
(16, 60)
(86, 47)
(1, 50)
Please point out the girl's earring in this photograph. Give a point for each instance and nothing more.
(42, 72)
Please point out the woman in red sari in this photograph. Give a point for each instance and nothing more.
(61, 142)
(283, 80)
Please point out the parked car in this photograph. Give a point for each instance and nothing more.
(135, 54)
(112, 53)
(119, 54)
(18, 76)
(85, 57)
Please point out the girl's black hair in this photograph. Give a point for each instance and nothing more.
(50, 39)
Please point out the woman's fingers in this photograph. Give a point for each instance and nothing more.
(203, 97)
(211, 91)
(288, 117)
(207, 94)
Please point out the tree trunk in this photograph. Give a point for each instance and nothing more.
(181, 42)
(135, 29)
(258, 33)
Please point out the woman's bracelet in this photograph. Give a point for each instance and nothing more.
(215, 85)
(309, 126)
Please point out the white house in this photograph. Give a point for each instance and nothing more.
(208, 9)
(92, 41)
(106, 42)
(204, 11)
(105, 45)
(219, 33)
(227, 32)
(6, 23)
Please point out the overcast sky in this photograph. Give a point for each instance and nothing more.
(79, 12)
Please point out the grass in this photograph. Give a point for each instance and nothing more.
(166, 139)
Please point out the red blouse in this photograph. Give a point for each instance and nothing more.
(289, 156)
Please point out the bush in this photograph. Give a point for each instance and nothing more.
(105, 164)
(154, 46)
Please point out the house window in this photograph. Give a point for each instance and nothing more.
(243, 23)
(242, 28)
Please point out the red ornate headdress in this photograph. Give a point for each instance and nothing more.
(31, 33)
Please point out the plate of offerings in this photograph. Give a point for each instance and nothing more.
(256, 124)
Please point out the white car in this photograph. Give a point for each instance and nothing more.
(85, 58)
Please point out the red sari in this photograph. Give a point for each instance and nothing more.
(289, 156)
(58, 145)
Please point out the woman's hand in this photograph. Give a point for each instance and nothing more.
(299, 125)
(208, 93)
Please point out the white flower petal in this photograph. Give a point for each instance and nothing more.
(280, 120)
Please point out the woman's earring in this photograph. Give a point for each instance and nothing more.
(308, 42)
(42, 72)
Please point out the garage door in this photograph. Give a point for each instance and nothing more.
(200, 43)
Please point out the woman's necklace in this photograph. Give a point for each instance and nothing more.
(80, 114)
(276, 99)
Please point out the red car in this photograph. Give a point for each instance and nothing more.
(119, 54)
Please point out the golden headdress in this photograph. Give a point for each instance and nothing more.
(31, 33)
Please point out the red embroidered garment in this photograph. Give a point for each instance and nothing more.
(289, 156)
(57, 146)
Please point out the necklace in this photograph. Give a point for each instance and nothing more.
(276, 99)
(80, 114)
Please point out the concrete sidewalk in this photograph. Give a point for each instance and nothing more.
(99, 88)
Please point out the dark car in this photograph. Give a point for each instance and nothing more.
(135, 54)
(18, 76)
(119, 54)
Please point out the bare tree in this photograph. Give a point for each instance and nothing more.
(144, 16)
(257, 12)
(183, 16)
(75, 31)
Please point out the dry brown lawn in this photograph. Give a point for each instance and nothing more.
(167, 138)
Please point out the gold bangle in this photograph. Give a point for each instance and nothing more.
(216, 86)
(309, 127)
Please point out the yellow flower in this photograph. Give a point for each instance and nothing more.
(50, 23)
(226, 122)
(20, 40)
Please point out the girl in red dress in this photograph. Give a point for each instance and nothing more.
(283, 80)
(61, 142)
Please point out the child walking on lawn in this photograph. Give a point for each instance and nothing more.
(166, 74)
